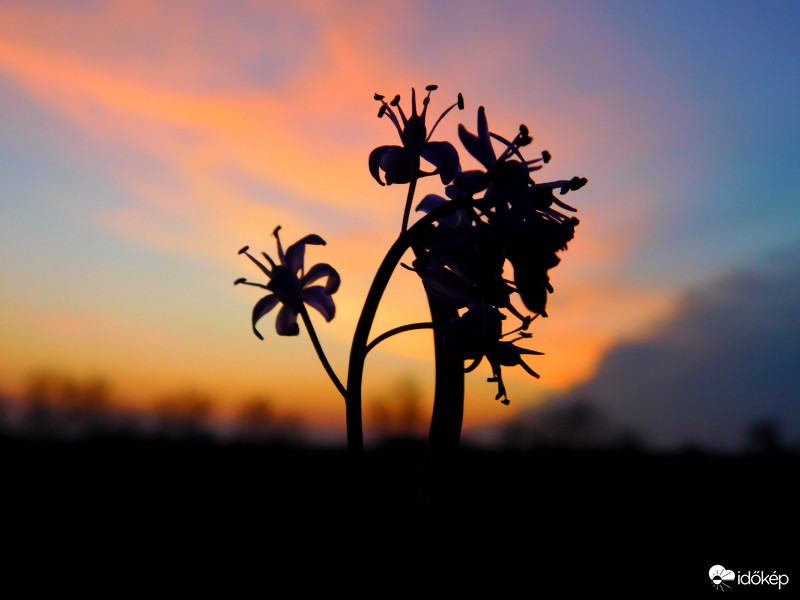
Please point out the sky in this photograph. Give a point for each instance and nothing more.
(143, 143)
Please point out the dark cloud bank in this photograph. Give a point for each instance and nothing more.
(724, 367)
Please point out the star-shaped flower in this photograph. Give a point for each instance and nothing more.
(398, 162)
(290, 285)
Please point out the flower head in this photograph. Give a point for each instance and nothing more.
(398, 162)
(521, 211)
(479, 333)
(460, 260)
(290, 285)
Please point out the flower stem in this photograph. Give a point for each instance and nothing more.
(410, 196)
(321, 354)
(396, 330)
(448, 414)
(358, 350)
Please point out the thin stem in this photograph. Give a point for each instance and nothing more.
(410, 196)
(395, 331)
(321, 354)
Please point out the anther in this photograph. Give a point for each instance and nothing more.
(243, 250)
(546, 156)
(395, 101)
(460, 101)
(431, 87)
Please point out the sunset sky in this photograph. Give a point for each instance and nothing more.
(142, 143)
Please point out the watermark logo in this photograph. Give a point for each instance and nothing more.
(722, 578)
(719, 576)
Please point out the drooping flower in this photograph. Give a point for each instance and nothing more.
(290, 285)
(398, 162)
(478, 333)
(532, 248)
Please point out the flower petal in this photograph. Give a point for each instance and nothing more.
(471, 182)
(286, 323)
(262, 307)
(316, 297)
(322, 270)
(397, 163)
(479, 146)
(430, 203)
(449, 288)
(375, 160)
(444, 157)
(296, 252)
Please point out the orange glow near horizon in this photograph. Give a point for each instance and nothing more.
(202, 171)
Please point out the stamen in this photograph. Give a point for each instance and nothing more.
(426, 101)
(526, 320)
(396, 103)
(447, 110)
(523, 137)
(511, 147)
(385, 110)
(281, 256)
(264, 269)
(243, 281)
(269, 260)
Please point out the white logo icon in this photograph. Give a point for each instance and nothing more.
(719, 575)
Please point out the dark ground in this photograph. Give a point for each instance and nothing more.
(540, 523)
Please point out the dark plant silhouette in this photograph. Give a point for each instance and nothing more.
(485, 219)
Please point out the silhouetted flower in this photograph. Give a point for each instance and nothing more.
(478, 333)
(532, 248)
(520, 210)
(290, 285)
(398, 162)
(463, 259)
(500, 171)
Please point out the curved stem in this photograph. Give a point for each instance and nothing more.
(321, 354)
(395, 331)
(358, 350)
